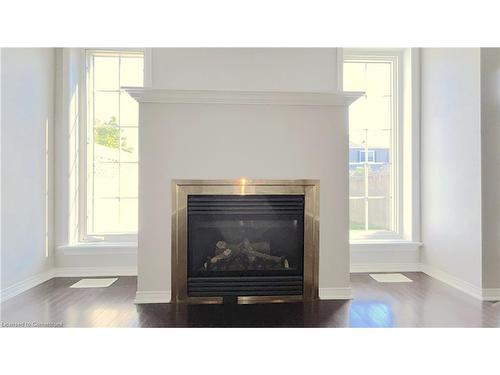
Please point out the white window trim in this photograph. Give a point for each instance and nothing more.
(83, 237)
(396, 56)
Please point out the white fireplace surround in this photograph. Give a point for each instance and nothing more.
(216, 134)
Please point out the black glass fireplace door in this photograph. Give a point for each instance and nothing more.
(245, 245)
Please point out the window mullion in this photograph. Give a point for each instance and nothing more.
(119, 139)
(366, 180)
(92, 130)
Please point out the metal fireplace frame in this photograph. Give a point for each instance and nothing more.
(182, 188)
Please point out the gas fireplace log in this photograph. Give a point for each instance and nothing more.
(251, 250)
(244, 261)
(256, 254)
(227, 253)
(261, 247)
(220, 247)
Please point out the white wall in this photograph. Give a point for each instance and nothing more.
(27, 100)
(287, 69)
(490, 138)
(451, 163)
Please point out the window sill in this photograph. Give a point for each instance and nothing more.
(385, 244)
(98, 248)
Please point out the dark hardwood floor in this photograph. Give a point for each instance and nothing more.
(424, 303)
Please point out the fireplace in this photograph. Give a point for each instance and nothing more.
(250, 240)
(245, 245)
(210, 134)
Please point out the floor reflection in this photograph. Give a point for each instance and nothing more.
(374, 314)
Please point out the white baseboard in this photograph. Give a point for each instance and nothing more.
(453, 281)
(385, 267)
(335, 293)
(95, 271)
(491, 294)
(152, 297)
(26, 284)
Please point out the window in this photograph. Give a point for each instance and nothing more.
(371, 156)
(112, 143)
(374, 123)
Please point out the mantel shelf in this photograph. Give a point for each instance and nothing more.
(150, 95)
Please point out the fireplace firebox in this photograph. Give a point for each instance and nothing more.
(245, 240)
(245, 245)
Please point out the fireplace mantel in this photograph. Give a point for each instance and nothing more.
(151, 95)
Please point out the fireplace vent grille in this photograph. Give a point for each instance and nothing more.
(259, 204)
(245, 286)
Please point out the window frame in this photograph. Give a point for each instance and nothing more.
(84, 139)
(396, 58)
(370, 152)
